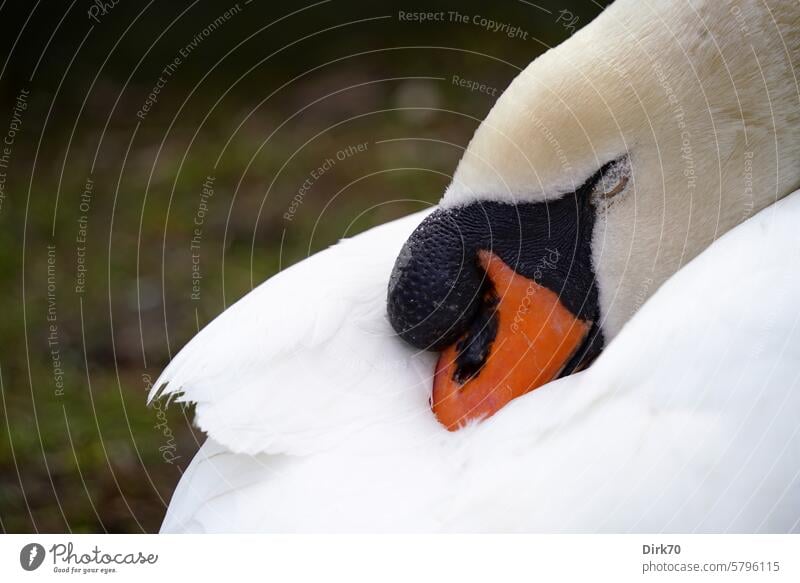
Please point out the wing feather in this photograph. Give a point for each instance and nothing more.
(277, 371)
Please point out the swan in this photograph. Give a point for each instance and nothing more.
(634, 185)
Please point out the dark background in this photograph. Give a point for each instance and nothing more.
(258, 104)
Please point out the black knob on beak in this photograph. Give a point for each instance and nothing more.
(435, 287)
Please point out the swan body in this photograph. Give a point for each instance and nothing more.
(686, 423)
(678, 137)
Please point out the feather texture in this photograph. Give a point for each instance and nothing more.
(286, 369)
(319, 421)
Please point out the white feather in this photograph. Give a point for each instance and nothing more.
(311, 335)
(319, 421)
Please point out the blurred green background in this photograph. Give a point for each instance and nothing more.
(156, 150)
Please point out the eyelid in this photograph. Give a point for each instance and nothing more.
(614, 179)
(621, 184)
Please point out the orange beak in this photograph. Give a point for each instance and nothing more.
(534, 336)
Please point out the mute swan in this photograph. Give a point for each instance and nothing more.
(607, 165)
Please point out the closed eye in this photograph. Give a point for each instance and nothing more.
(614, 179)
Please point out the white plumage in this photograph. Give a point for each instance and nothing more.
(319, 420)
(318, 416)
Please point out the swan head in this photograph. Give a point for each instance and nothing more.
(606, 165)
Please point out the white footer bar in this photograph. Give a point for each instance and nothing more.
(401, 558)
